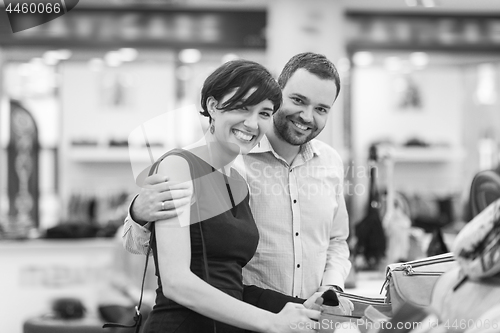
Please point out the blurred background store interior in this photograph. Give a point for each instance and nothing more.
(420, 76)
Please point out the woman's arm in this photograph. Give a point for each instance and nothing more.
(182, 286)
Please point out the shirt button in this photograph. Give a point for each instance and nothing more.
(296, 234)
(296, 296)
(294, 201)
(298, 265)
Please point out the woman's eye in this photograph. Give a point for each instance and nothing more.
(266, 114)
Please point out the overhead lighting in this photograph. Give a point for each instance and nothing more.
(419, 59)
(362, 58)
(428, 3)
(51, 58)
(128, 54)
(229, 57)
(113, 59)
(421, 3)
(343, 65)
(486, 90)
(190, 56)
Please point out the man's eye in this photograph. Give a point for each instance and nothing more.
(322, 110)
(296, 100)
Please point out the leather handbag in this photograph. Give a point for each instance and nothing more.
(412, 282)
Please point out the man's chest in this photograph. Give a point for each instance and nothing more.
(282, 196)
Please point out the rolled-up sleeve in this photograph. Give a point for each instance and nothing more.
(135, 237)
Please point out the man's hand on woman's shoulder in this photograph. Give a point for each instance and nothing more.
(159, 198)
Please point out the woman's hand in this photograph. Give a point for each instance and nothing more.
(314, 302)
(296, 318)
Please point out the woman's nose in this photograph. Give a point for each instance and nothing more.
(251, 122)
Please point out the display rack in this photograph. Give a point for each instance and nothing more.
(108, 154)
(427, 154)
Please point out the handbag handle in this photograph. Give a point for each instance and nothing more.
(138, 315)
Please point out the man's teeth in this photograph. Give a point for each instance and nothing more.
(302, 127)
(243, 136)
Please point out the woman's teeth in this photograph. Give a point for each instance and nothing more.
(242, 136)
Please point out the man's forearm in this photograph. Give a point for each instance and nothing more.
(133, 214)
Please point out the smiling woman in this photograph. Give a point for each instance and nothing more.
(199, 265)
(239, 98)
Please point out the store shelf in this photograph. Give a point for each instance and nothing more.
(427, 155)
(109, 155)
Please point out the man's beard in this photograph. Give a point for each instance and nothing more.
(286, 131)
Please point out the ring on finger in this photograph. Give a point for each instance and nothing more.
(163, 205)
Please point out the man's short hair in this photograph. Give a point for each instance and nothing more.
(314, 63)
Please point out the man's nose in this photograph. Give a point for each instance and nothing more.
(307, 114)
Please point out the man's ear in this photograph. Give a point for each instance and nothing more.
(212, 106)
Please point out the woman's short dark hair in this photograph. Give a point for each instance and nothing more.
(314, 63)
(242, 75)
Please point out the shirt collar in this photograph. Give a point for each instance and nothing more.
(307, 150)
(262, 147)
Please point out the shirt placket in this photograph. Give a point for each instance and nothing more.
(297, 236)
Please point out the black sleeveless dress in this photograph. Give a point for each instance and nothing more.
(230, 240)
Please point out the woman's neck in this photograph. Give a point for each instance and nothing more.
(213, 152)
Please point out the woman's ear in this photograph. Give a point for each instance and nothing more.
(212, 106)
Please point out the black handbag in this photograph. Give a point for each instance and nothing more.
(370, 234)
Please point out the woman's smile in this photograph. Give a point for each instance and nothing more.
(243, 136)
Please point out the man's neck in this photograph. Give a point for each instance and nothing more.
(284, 149)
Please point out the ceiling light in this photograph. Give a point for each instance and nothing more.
(51, 58)
(411, 3)
(128, 54)
(113, 59)
(428, 3)
(362, 58)
(64, 54)
(343, 65)
(190, 56)
(419, 59)
(229, 57)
